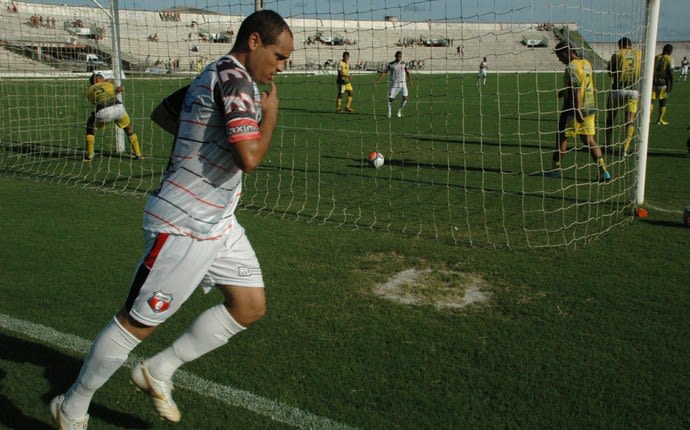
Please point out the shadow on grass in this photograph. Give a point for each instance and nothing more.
(60, 371)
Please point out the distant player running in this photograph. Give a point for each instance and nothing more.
(663, 81)
(103, 94)
(577, 117)
(398, 76)
(624, 69)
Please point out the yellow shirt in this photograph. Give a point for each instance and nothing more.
(343, 72)
(578, 77)
(102, 93)
(625, 68)
(663, 70)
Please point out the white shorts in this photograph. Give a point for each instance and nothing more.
(111, 113)
(172, 267)
(621, 98)
(394, 91)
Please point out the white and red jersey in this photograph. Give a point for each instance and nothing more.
(202, 186)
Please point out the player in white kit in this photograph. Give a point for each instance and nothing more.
(191, 233)
(398, 77)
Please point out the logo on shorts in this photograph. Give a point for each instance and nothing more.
(159, 301)
(248, 271)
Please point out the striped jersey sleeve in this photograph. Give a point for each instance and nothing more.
(202, 186)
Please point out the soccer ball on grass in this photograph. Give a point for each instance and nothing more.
(375, 159)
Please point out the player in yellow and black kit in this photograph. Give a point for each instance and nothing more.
(344, 82)
(577, 117)
(103, 94)
(663, 81)
(624, 69)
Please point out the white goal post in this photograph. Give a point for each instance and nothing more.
(464, 162)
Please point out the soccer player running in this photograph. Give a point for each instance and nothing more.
(103, 94)
(344, 82)
(577, 116)
(192, 236)
(624, 69)
(483, 71)
(663, 81)
(398, 76)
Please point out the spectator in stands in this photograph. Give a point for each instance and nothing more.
(344, 83)
(103, 94)
(684, 69)
(398, 77)
(624, 69)
(663, 81)
(577, 117)
(483, 71)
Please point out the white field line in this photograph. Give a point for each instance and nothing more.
(232, 396)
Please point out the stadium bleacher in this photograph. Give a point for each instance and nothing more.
(188, 40)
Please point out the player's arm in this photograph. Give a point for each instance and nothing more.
(408, 76)
(381, 75)
(577, 103)
(249, 153)
(613, 65)
(669, 78)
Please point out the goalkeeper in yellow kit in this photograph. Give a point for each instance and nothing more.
(103, 94)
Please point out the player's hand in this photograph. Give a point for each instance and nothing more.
(269, 101)
(579, 117)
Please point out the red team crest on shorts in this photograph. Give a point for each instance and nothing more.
(159, 301)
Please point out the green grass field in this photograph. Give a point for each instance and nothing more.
(594, 336)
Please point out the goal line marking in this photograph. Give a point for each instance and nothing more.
(232, 396)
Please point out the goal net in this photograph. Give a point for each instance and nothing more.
(464, 160)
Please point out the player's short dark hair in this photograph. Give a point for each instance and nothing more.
(92, 78)
(346, 53)
(624, 42)
(668, 49)
(566, 45)
(269, 24)
(398, 53)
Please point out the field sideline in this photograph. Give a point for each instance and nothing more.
(185, 380)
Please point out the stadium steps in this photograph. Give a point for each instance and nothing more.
(376, 41)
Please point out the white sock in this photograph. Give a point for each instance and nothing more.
(389, 108)
(402, 104)
(108, 352)
(211, 330)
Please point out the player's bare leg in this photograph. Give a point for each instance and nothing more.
(597, 156)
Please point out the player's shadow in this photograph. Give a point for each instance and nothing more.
(671, 224)
(60, 371)
(667, 154)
